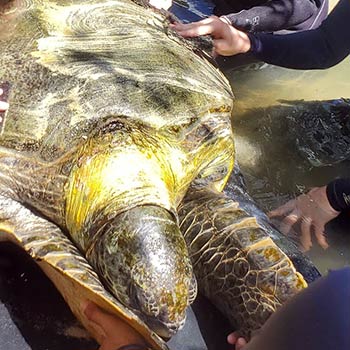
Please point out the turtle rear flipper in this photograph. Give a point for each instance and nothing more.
(65, 266)
(237, 264)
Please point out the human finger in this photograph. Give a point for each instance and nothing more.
(232, 338)
(287, 223)
(225, 20)
(283, 209)
(204, 27)
(320, 236)
(89, 309)
(96, 315)
(240, 344)
(305, 238)
(235, 339)
(114, 330)
(194, 30)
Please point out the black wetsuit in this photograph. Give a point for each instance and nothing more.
(317, 318)
(338, 194)
(314, 49)
(273, 16)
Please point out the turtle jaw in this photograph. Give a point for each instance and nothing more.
(142, 258)
(165, 331)
(161, 321)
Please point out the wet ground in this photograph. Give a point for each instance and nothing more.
(34, 316)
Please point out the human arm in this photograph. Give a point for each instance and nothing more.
(237, 341)
(273, 15)
(115, 333)
(314, 210)
(313, 49)
(111, 327)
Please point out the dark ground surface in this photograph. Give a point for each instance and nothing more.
(33, 315)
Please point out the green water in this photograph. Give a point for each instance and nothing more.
(274, 167)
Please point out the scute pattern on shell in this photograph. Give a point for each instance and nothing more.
(236, 263)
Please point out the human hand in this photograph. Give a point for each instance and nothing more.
(236, 340)
(116, 333)
(313, 211)
(3, 105)
(227, 40)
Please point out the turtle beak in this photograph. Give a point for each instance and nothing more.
(163, 330)
(142, 258)
(157, 319)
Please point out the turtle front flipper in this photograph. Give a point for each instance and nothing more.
(237, 265)
(66, 267)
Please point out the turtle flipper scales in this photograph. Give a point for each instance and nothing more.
(65, 266)
(237, 265)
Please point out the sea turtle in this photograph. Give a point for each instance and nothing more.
(112, 120)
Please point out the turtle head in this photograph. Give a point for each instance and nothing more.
(121, 212)
(142, 258)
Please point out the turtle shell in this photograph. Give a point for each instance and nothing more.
(80, 73)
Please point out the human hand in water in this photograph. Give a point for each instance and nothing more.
(237, 341)
(227, 40)
(115, 333)
(312, 211)
(3, 105)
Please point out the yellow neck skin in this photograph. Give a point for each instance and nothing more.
(115, 172)
(136, 165)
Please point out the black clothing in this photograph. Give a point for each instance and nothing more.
(338, 194)
(277, 15)
(314, 49)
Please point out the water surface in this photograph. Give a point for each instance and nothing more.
(280, 124)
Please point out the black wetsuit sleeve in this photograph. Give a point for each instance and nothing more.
(273, 16)
(313, 49)
(338, 194)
